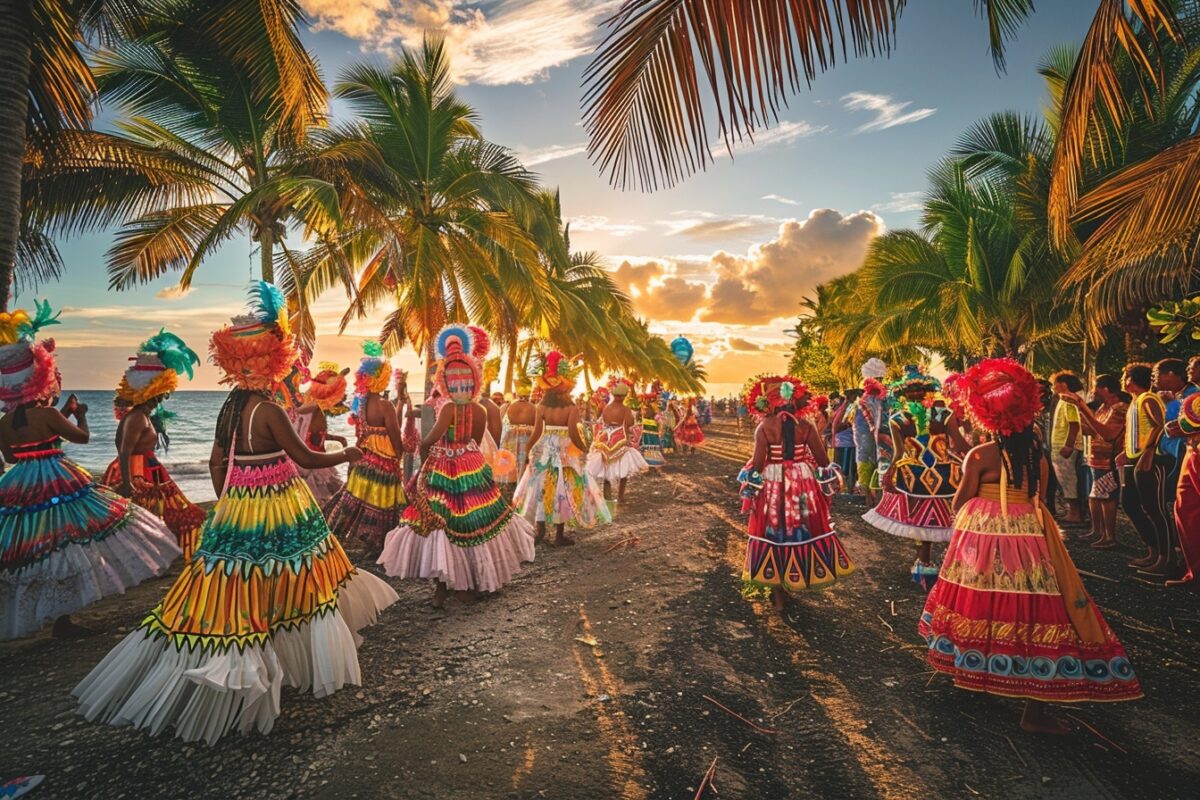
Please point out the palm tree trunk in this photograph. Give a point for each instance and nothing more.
(16, 47)
(266, 241)
(428, 416)
(511, 368)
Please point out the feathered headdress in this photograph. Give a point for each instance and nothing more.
(873, 388)
(914, 381)
(873, 368)
(155, 371)
(28, 368)
(258, 350)
(766, 393)
(372, 377)
(554, 372)
(481, 343)
(683, 350)
(1000, 395)
(459, 374)
(327, 389)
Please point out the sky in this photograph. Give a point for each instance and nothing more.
(725, 258)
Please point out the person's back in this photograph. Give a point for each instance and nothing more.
(559, 416)
(520, 412)
(616, 413)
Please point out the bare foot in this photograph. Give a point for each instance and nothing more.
(467, 597)
(1104, 544)
(1180, 582)
(562, 540)
(439, 596)
(1035, 719)
(778, 600)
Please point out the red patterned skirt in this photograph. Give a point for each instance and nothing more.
(155, 491)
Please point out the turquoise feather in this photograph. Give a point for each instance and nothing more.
(266, 301)
(172, 351)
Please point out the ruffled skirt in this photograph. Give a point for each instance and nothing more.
(269, 599)
(160, 495)
(66, 542)
(458, 530)
(557, 489)
(1009, 615)
(371, 501)
(920, 517)
(611, 458)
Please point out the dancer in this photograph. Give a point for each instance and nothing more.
(791, 544)
(1009, 614)
(518, 420)
(65, 540)
(458, 531)
(372, 500)
(1187, 498)
(668, 419)
(923, 474)
(865, 420)
(556, 488)
(649, 441)
(325, 398)
(136, 472)
(612, 459)
(689, 433)
(269, 598)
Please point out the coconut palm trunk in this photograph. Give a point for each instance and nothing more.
(15, 65)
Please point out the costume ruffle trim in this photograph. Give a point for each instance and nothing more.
(626, 465)
(907, 531)
(485, 567)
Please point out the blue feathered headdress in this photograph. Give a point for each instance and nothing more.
(683, 350)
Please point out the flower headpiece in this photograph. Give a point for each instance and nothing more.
(914, 380)
(155, 371)
(554, 372)
(458, 366)
(619, 385)
(258, 350)
(1000, 395)
(873, 388)
(601, 397)
(28, 368)
(327, 389)
(372, 377)
(765, 393)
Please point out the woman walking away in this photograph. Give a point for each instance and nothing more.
(269, 599)
(65, 540)
(136, 472)
(458, 530)
(791, 544)
(557, 488)
(1009, 614)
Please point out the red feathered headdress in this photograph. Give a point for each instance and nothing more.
(1000, 395)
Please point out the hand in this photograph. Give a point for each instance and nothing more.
(1145, 462)
(1072, 398)
(69, 407)
(351, 454)
(1066, 452)
(80, 409)
(1173, 429)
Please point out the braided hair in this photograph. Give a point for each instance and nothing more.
(1020, 457)
(229, 419)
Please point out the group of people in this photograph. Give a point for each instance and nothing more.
(270, 594)
(963, 463)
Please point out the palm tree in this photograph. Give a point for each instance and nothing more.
(435, 218)
(45, 87)
(217, 101)
(644, 105)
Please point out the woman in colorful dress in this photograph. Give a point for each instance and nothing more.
(136, 472)
(612, 459)
(458, 530)
(324, 398)
(923, 475)
(518, 417)
(269, 599)
(649, 441)
(1009, 615)
(65, 540)
(689, 433)
(372, 499)
(556, 488)
(668, 419)
(791, 543)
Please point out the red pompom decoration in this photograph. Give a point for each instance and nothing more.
(1000, 395)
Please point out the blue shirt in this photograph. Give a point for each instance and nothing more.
(1173, 445)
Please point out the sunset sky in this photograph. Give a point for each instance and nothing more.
(724, 259)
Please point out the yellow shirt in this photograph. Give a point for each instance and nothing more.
(1064, 415)
(1138, 425)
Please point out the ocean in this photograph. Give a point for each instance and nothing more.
(191, 435)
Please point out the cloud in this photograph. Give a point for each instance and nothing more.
(175, 292)
(658, 293)
(782, 134)
(743, 345)
(601, 224)
(902, 202)
(542, 155)
(771, 279)
(888, 112)
(705, 225)
(787, 201)
(493, 42)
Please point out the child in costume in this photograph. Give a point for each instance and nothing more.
(269, 598)
(923, 473)
(1009, 614)
(689, 433)
(458, 529)
(791, 543)
(65, 540)
(136, 472)
(372, 499)
(556, 488)
(612, 459)
(649, 441)
(324, 398)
